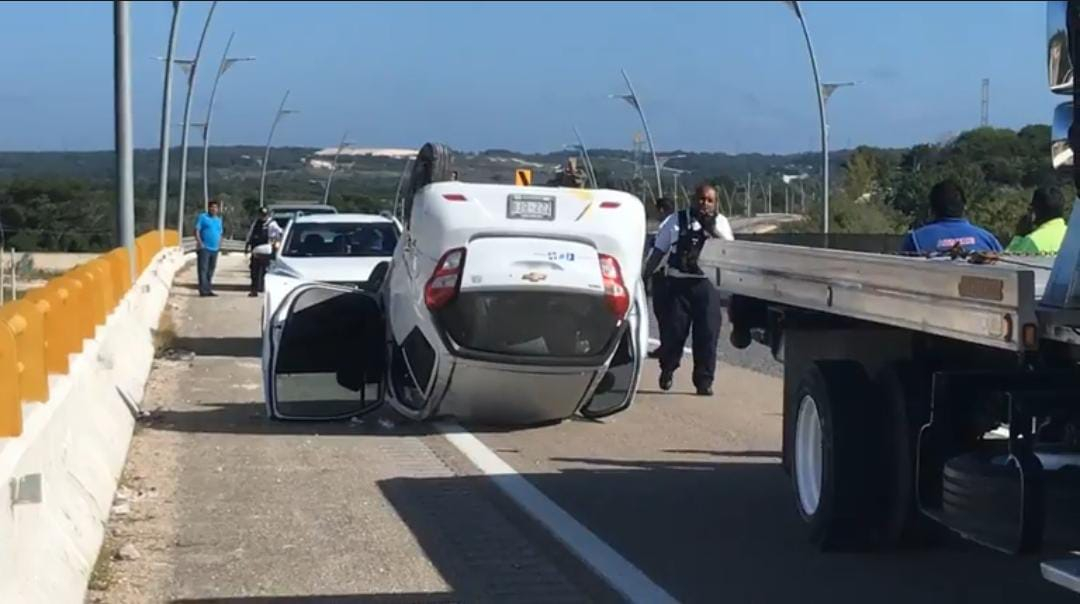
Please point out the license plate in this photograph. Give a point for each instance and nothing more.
(530, 207)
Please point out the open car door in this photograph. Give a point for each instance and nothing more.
(324, 354)
(619, 386)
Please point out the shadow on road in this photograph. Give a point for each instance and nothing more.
(417, 598)
(220, 347)
(218, 287)
(251, 418)
(708, 532)
(749, 454)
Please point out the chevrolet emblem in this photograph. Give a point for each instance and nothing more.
(533, 277)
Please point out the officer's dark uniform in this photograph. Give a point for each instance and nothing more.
(259, 235)
(691, 303)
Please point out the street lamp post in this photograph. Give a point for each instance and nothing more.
(190, 67)
(585, 154)
(281, 112)
(166, 117)
(794, 6)
(333, 168)
(226, 63)
(125, 164)
(632, 98)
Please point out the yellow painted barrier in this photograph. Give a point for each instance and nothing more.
(58, 325)
(94, 298)
(119, 268)
(10, 400)
(81, 308)
(109, 286)
(24, 320)
(39, 332)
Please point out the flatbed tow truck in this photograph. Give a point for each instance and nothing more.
(922, 393)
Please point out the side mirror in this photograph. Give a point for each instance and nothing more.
(1061, 154)
(1059, 63)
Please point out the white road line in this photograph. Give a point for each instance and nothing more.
(599, 556)
(656, 342)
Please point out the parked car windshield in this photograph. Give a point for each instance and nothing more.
(356, 239)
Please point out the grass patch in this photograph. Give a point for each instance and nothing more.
(165, 335)
(102, 576)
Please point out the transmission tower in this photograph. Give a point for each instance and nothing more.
(984, 120)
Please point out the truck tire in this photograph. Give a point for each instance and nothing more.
(905, 388)
(982, 493)
(835, 470)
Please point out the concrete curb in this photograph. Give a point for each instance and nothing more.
(58, 479)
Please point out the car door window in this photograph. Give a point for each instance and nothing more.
(328, 354)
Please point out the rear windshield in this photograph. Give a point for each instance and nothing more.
(545, 324)
(341, 240)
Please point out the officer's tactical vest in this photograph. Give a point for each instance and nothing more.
(684, 258)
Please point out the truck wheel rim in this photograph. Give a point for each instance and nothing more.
(808, 455)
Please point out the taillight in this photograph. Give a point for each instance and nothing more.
(615, 294)
(443, 285)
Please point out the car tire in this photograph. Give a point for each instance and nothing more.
(982, 495)
(835, 474)
(905, 390)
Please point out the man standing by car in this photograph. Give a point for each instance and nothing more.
(692, 301)
(262, 233)
(208, 229)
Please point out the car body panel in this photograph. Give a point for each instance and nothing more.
(514, 255)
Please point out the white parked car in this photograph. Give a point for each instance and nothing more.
(502, 304)
(329, 248)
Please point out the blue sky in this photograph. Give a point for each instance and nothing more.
(716, 76)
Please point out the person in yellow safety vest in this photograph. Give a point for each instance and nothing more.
(1047, 214)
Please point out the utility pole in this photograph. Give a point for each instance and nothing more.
(984, 118)
(166, 117)
(125, 176)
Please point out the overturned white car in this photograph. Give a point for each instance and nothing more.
(502, 304)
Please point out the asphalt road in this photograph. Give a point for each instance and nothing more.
(685, 489)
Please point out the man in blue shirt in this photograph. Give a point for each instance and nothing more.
(949, 227)
(208, 230)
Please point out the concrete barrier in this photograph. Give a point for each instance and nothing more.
(58, 478)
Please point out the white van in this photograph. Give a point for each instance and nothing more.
(502, 304)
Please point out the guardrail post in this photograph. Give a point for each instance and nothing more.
(10, 398)
(58, 324)
(24, 320)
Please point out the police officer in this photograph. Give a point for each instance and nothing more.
(264, 230)
(658, 286)
(692, 301)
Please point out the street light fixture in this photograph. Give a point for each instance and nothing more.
(794, 6)
(226, 63)
(635, 102)
(166, 116)
(189, 66)
(333, 168)
(281, 112)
